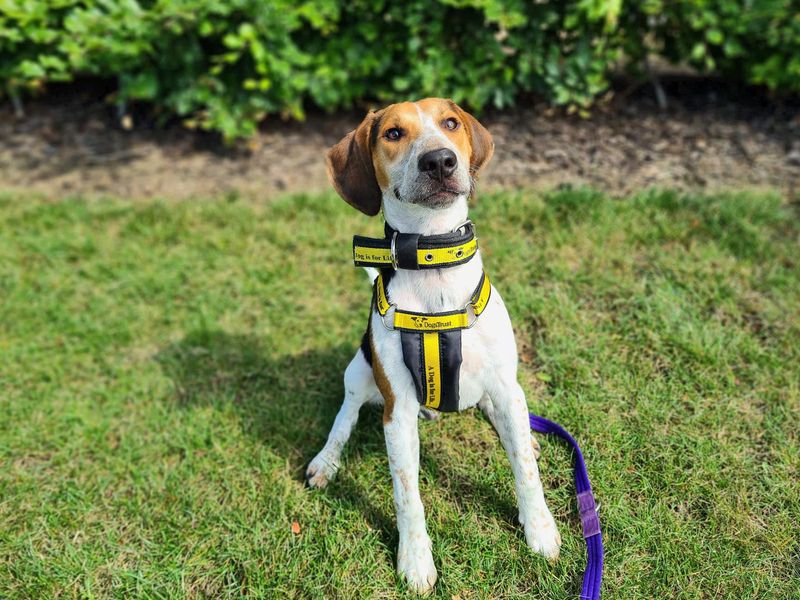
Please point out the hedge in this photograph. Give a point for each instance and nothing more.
(225, 65)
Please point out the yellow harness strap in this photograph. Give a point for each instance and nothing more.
(433, 370)
(433, 322)
(431, 343)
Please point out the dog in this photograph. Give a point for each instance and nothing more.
(418, 162)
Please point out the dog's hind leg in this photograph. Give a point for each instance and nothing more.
(487, 408)
(511, 420)
(359, 387)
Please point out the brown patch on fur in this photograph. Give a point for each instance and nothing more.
(480, 140)
(351, 171)
(383, 383)
(402, 116)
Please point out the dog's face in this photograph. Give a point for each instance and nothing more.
(426, 152)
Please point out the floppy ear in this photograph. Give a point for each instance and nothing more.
(350, 168)
(481, 142)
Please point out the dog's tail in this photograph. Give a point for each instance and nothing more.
(371, 273)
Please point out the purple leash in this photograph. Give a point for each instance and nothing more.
(587, 508)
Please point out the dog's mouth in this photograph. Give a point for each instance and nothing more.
(444, 196)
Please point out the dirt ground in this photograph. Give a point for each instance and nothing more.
(71, 142)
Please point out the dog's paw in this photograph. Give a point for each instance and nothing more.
(321, 471)
(537, 448)
(415, 564)
(542, 535)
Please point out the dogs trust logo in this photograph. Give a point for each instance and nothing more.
(426, 323)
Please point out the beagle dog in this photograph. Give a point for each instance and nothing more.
(417, 161)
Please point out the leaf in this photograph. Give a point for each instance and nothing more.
(714, 36)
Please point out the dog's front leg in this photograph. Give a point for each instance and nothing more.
(511, 422)
(359, 387)
(414, 558)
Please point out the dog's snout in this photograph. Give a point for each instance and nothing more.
(439, 163)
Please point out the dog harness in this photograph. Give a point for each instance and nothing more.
(431, 342)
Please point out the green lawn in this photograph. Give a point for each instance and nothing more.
(168, 369)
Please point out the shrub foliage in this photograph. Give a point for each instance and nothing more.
(225, 65)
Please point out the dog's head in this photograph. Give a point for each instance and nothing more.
(426, 153)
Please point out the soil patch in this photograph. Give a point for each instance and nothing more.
(71, 142)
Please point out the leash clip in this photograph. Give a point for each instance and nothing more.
(393, 251)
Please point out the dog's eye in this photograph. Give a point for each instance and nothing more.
(450, 124)
(393, 134)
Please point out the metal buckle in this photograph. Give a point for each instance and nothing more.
(470, 308)
(464, 224)
(383, 318)
(393, 251)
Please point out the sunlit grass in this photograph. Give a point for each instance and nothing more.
(167, 370)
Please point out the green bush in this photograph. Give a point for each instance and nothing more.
(755, 41)
(225, 65)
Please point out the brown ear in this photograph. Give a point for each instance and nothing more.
(350, 168)
(480, 140)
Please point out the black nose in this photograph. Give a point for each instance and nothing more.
(438, 163)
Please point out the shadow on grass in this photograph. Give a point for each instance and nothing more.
(289, 403)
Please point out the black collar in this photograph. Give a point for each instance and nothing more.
(415, 251)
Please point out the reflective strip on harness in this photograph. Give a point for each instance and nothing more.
(445, 321)
(433, 372)
(406, 321)
(382, 303)
(481, 296)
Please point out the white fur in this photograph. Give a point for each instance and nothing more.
(488, 378)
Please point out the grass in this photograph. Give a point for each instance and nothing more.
(169, 368)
